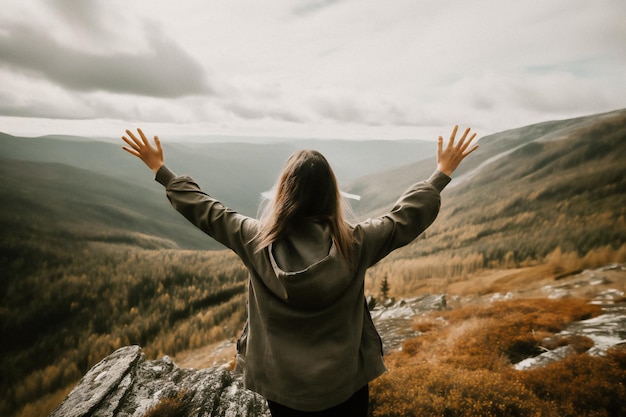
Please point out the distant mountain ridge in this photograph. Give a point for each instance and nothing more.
(94, 190)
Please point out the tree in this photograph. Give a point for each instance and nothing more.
(384, 288)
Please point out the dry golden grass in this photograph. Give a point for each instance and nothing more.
(210, 355)
(461, 366)
(469, 277)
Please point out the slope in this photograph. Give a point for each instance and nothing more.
(524, 193)
(73, 205)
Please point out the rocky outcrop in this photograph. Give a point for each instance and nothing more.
(605, 331)
(125, 384)
(394, 319)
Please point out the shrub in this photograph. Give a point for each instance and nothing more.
(464, 368)
(582, 385)
(512, 330)
(444, 390)
(175, 405)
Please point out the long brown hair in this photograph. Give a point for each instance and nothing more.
(307, 187)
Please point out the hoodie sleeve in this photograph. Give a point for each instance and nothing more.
(416, 209)
(228, 227)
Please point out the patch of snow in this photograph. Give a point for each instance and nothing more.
(501, 297)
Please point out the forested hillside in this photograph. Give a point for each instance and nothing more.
(554, 188)
(77, 205)
(66, 305)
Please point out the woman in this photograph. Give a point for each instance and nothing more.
(309, 345)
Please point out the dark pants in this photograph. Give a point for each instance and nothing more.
(355, 406)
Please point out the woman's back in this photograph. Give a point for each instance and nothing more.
(309, 342)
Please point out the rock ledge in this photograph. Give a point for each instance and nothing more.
(125, 384)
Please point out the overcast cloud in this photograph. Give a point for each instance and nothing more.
(306, 68)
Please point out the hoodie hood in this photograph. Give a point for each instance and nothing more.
(310, 270)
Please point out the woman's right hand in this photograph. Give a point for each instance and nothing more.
(448, 159)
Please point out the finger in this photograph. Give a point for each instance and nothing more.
(451, 141)
(440, 146)
(470, 151)
(132, 136)
(468, 143)
(143, 137)
(131, 151)
(131, 144)
(460, 144)
(157, 142)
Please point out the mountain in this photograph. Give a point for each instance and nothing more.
(236, 172)
(83, 187)
(92, 189)
(497, 147)
(76, 204)
(525, 191)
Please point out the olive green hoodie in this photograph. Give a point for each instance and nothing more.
(309, 342)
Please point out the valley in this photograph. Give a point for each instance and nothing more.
(94, 258)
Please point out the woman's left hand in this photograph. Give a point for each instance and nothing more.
(142, 149)
(449, 158)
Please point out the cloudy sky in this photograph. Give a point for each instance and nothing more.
(306, 68)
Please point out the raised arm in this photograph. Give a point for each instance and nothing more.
(142, 149)
(418, 207)
(228, 227)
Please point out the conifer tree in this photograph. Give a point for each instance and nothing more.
(384, 288)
